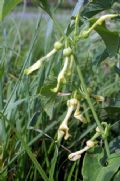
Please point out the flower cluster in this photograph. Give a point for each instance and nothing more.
(68, 46)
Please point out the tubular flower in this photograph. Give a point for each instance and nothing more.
(90, 143)
(61, 77)
(76, 155)
(57, 46)
(34, 67)
(98, 130)
(63, 130)
(86, 33)
(69, 71)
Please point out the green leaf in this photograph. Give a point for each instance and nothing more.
(111, 39)
(91, 164)
(47, 96)
(53, 165)
(101, 57)
(45, 6)
(117, 177)
(71, 172)
(113, 109)
(1, 71)
(115, 145)
(32, 157)
(27, 149)
(117, 70)
(49, 84)
(48, 104)
(6, 6)
(93, 170)
(96, 6)
(3, 176)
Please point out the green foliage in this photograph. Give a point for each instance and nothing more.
(48, 97)
(44, 5)
(117, 176)
(93, 169)
(111, 40)
(6, 6)
(115, 143)
(97, 6)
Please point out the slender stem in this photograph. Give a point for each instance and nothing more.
(87, 95)
(107, 147)
(77, 24)
(86, 113)
(59, 27)
(91, 105)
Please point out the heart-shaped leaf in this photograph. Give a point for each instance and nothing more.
(93, 169)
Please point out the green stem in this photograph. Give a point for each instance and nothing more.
(107, 147)
(76, 31)
(87, 96)
(86, 113)
(91, 105)
(2, 122)
(59, 27)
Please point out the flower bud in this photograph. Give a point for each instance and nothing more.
(67, 52)
(89, 90)
(58, 45)
(84, 34)
(90, 143)
(98, 130)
